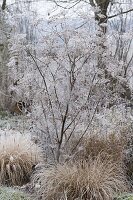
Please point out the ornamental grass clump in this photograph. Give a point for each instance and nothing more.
(110, 146)
(93, 179)
(18, 155)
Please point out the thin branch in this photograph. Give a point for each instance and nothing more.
(42, 75)
(65, 7)
(56, 95)
(80, 107)
(86, 127)
(62, 132)
(121, 13)
(48, 130)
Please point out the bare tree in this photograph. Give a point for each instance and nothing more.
(70, 75)
(102, 16)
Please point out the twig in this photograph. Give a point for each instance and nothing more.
(121, 13)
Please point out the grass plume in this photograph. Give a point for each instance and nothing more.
(18, 154)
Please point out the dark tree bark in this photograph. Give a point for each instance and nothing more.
(103, 7)
(4, 5)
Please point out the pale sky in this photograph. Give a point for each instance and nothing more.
(43, 6)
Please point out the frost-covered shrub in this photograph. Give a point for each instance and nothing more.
(18, 154)
(11, 194)
(95, 179)
(69, 76)
(117, 119)
(14, 123)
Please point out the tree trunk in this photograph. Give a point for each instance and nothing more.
(4, 5)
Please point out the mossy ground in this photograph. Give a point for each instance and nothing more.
(125, 197)
(3, 114)
(11, 194)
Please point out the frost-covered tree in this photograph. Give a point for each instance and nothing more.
(104, 12)
(72, 73)
(22, 20)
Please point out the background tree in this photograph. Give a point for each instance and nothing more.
(4, 29)
(105, 10)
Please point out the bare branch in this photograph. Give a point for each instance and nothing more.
(62, 132)
(121, 13)
(46, 91)
(95, 110)
(65, 7)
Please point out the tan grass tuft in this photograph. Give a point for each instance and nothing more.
(112, 145)
(92, 180)
(18, 154)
